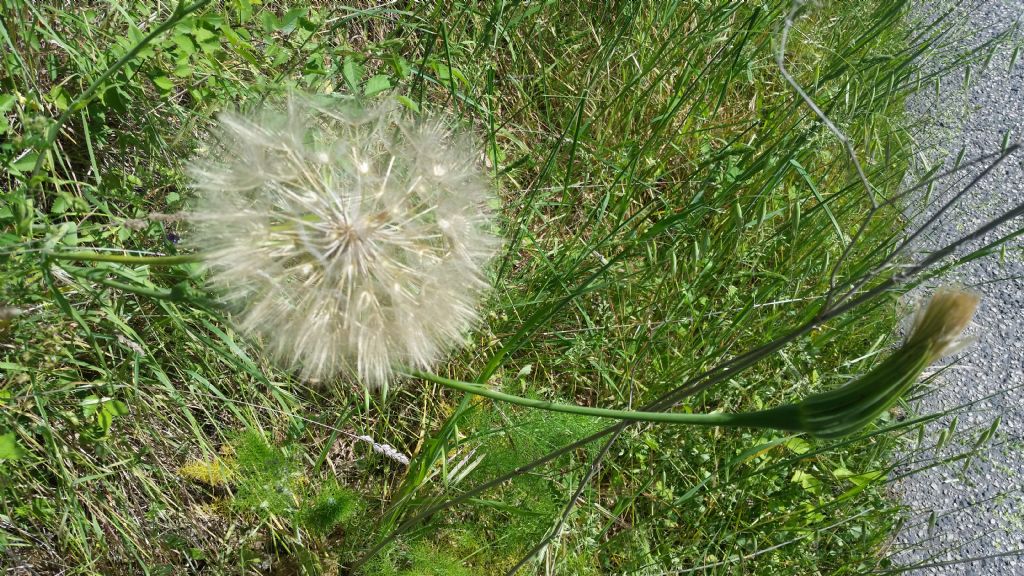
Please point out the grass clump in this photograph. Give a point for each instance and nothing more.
(256, 479)
(267, 481)
(422, 559)
(668, 203)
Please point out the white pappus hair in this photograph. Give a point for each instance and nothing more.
(350, 239)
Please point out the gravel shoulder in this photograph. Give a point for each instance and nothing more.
(962, 512)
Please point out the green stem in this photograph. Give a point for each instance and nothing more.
(666, 417)
(176, 293)
(135, 289)
(90, 256)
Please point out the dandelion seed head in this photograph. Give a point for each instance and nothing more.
(350, 239)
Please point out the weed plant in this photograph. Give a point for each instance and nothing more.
(669, 202)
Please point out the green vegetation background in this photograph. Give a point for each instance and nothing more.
(668, 203)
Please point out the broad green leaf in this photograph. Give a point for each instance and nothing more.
(185, 46)
(6, 102)
(244, 8)
(352, 71)
(203, 35)
(376, 85)
(798, 445)
(806, 481)
(843, 472)
(23, 164)
(59, 97)
(9, 448)
(90, 404)
(163, 82)
(290, 20)
(408, 103)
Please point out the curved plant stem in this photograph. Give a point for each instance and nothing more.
(176, 293)
(89, 256)
(149, 292)
(631, 415)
